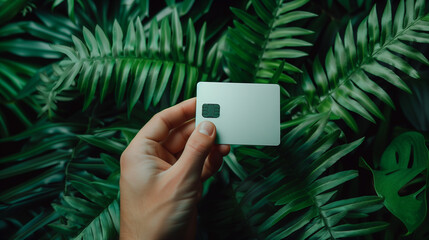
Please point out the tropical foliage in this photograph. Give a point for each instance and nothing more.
(78, 79)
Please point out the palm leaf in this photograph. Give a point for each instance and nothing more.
(39, 221)
(94, 216)
(95, 213)
(296, 196)
(67, 163)
(258, 43)
(353, 66)
(42, 162)
(13, 77)
(135, 63)
(55, 165)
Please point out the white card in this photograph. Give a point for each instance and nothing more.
(243, 113)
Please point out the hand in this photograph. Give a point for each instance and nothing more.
(162, 171)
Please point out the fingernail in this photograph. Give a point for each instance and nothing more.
(206, 128)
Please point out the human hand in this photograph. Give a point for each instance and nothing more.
(162, 171)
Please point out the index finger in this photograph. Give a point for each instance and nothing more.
(159, 126)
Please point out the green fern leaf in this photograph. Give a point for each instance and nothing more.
(258, 44)
(12, 81)
(351, 66)
(298, 190)
(97, 216)
(137, 65)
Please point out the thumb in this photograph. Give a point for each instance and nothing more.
(196, 150)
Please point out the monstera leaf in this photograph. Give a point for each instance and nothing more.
(402, 168)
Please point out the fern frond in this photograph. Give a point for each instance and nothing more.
(138, 66)
(89, 208)
(49, 147)
(46, 97)
(57, 165)
(39, 221)
(259, 43)
(12, 80)
(96, 216)
(297, 191)
(352, 66)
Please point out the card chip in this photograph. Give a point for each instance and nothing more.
(211, 110)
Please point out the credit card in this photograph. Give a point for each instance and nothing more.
(243, 113)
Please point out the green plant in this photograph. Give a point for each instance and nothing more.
(78, 79)
(403, 163)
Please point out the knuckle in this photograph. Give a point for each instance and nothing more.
(157, 117)
(161, 117)
(198, 145)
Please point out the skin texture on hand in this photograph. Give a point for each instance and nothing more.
(162, 171)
